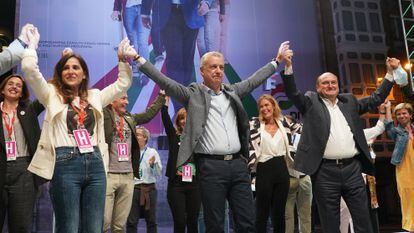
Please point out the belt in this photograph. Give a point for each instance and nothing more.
(220, 157)
(300, 176)
(338, 161)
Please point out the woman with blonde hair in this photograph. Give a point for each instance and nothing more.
(403, 159)
(270, 147)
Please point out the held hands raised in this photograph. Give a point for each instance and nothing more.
(285, 54)
(33, 36)
(125, 51)
(23, 33)
(392, 64)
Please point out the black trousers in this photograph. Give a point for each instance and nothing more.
(220, 180)
(331, 182)
(19, 195)
(137, 211)
(185, 201)
(272, 188)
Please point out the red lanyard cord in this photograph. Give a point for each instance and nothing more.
(9, 123)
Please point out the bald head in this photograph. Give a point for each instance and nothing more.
(327, 86)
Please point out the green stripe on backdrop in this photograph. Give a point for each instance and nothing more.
(249, 102)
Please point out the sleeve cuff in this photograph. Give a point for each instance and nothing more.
(389, 77)
(274, 63)
(141, 61)
(288, 70)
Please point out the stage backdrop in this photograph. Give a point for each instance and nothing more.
(254, 31)
(255, 28)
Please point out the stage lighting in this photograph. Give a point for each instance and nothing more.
(408, 66)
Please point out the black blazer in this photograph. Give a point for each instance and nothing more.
(27, 112)
(316, 123)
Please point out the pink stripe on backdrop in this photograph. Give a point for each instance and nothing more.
(107, 79)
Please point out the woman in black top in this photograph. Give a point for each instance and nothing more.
(18, 141)
(182, 192)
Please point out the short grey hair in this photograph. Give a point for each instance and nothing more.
(210, 54)
(145, 131)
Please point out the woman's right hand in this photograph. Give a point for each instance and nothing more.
(34, 37)
(125, 50)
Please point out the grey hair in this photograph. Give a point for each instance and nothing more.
(210, 54)
(145, 131)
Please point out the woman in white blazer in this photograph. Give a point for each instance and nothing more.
(72, 152)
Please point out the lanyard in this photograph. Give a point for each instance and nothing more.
(81, 112)
(142, 156)
(120, 127)
(9, 123)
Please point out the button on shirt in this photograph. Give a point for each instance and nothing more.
(149, 174)
(220, 135)
(341, 143)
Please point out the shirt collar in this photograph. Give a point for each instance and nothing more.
(328, 102)
(211, 92)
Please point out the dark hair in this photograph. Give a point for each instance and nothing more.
(25, 90)
(61, 87)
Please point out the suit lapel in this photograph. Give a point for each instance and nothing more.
(347, 115)
(326, 116)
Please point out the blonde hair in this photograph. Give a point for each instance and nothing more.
(277, 112)
(182, 113)
(401, 106)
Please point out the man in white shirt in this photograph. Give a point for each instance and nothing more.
(333, 148)
(145, 193)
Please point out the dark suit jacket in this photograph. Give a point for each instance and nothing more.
(161, 10)
(197, 103)
(133, 120)
(27, 113)
(316, 123)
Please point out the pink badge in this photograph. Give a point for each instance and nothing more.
(122, 151)
(187, 173)
(11, 150)
(82, 140)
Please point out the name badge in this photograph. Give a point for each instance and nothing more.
(187, 173)
(122, 149)
(11, 150)
(83, 141)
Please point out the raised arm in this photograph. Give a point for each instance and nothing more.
(380, 94)
(12, 55)
(171, 87)
(122, 84)
(166, 120)
(31, 69)
(301, 102)
(151, 111)
(243, 88)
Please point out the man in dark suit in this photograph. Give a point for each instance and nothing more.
(178, 22)
(216, 133)
(333, 148)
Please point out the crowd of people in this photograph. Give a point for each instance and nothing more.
(102, 172)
